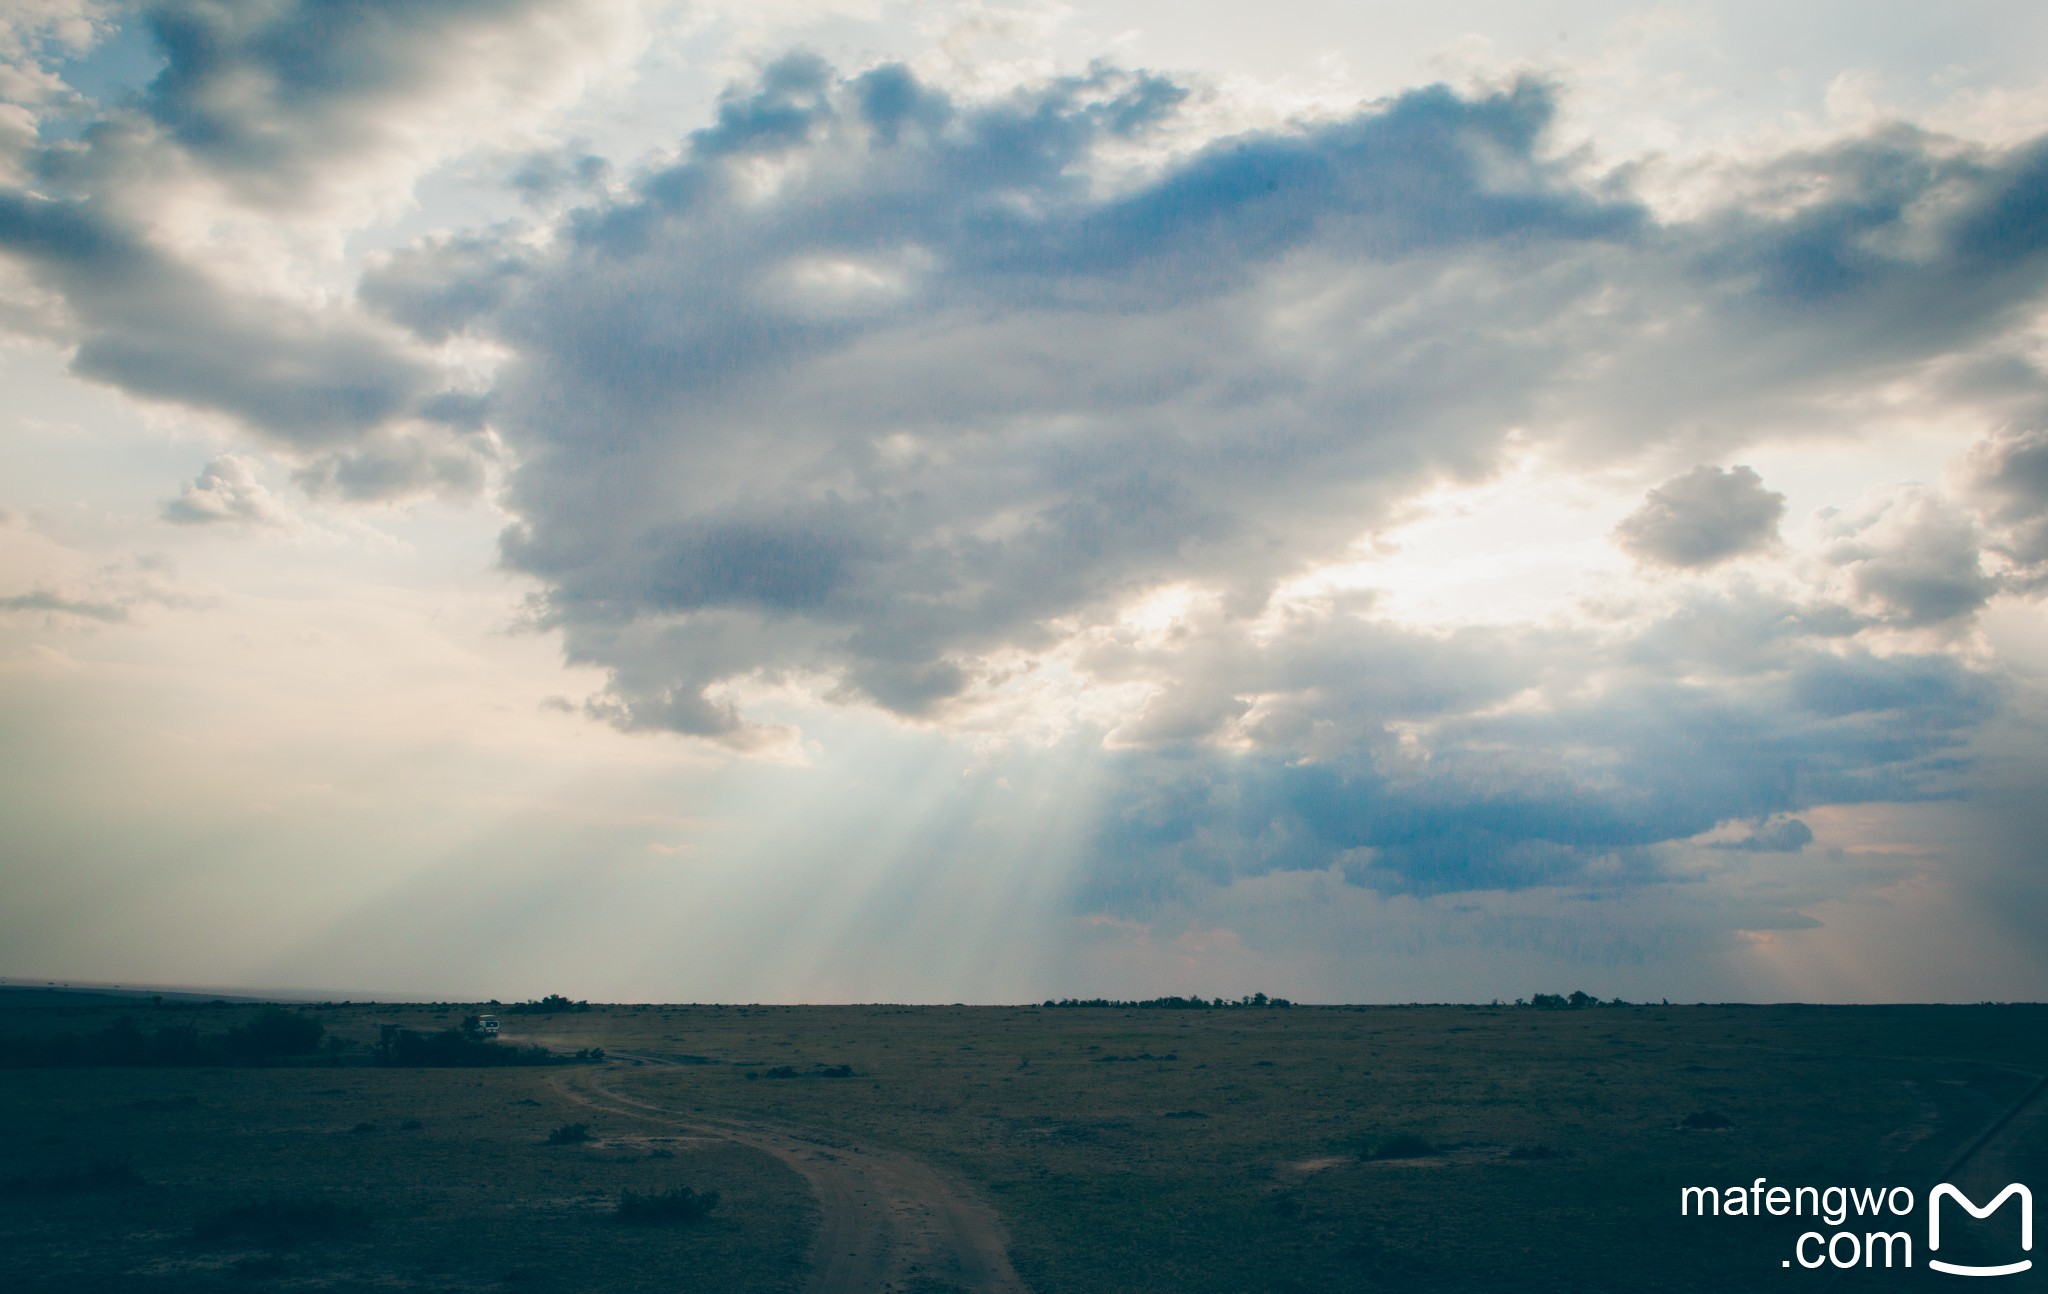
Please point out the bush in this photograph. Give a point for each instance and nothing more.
(680, 1204)
(569, 1134)
(276, 1032)
(1405, 1145)
(1707, 1119)
(1537, 1151)
(286, 1220)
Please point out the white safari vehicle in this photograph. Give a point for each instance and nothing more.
(489, 1025)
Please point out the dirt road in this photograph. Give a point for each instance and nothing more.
(889, 1221)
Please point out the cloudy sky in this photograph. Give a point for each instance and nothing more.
(982, 501)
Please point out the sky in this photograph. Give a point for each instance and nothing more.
(980, 501)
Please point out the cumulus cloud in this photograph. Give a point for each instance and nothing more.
(120, 227)
(1705, 516)
(163, 329)
(1784, 836)
(295, 104)
(2007, 475)
(1911, 556)
(227, 489)
(885, 395)
(1412, 764)
(879, 393)
(875, 384)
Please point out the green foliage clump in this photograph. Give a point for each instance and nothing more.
(680, 1204)
(569, 1134)
(275, 1034)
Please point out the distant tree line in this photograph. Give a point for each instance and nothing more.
(1558, 1002)
(274, 1035)
(1255, 1001)
(552, 1004)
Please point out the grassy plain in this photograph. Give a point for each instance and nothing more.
(1317, 1148)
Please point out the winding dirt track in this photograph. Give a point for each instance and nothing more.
(887, 1219)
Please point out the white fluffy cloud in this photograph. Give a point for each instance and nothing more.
(227, 489)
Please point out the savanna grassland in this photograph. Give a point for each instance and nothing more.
(1312, 1148)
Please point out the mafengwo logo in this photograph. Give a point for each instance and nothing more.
(1850, 1245)
(1947, 1192)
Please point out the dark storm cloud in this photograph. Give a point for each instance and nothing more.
(1705, 516)
(162, 329)
(1576, 794)
(1785, 836)
(2007, 474)
(884, 375)
(268, 93)
(879, 382)
(279, 107)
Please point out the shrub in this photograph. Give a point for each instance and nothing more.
(569, 1134)
(1404, 1145)
(284, 1220)
(679, 1204)
(1537, 1151)
(275, 1032)
(1708, 1119)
